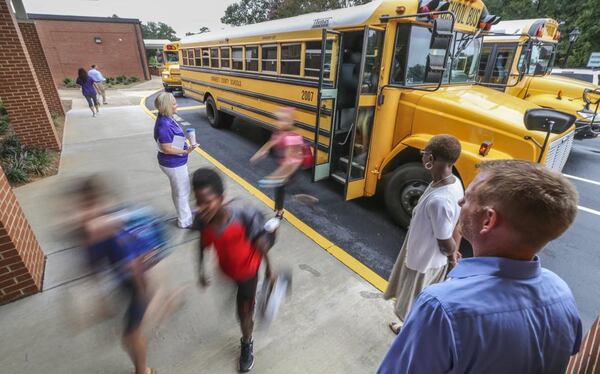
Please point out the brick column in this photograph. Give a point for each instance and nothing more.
(19, 87)
(21, 258)
(41, 67)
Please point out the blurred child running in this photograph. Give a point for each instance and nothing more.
(291, 152)
(236, 232)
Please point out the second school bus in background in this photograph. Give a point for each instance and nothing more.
(371, 85)
(170, 75)
(519, 59)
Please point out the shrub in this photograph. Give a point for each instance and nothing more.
(20, 162)
(69, 83)
(110, 80)
(15, 168)
(3, 124)
(121, 79)
(131, 80)
(10, 145)
(39, 161)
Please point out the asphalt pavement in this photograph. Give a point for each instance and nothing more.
(363, 228)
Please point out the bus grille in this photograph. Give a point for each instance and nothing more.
(559, 151)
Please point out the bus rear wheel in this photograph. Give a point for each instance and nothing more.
(403, 190)
(216, 118)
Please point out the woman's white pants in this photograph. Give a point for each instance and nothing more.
(180, 192)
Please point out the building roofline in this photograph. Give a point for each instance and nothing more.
(60, 17)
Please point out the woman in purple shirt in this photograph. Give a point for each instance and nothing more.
(88, 90)
(173, 155)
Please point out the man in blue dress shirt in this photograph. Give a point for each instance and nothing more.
(500, 311)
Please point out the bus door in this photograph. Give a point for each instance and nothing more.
(326, 105)
(366, 102)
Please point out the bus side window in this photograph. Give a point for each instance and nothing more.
(205, 57)
(269, 58)
(190, 57)
(225, 57)
(312, 59)
(198, 53)
(400, 51)
(237, 58)
(252, 58)
(290, 59)
(184, 54)
(214, 57)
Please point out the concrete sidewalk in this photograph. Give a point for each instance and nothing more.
(335, 322)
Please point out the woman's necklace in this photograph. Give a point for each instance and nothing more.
(435, 184)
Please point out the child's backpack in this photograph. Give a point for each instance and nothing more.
(149, 233)
(308, 157)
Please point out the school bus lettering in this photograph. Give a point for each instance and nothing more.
(465, 14)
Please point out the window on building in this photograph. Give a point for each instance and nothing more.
(269, 58)
(205, 57)
(214, 57)
(252, 58)
(237, 58)
(225, 57)
(184, 56)
(312, 59)
(198, 56)
(290, 59)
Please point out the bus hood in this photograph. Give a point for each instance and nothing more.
(476, 114)
(560, 93)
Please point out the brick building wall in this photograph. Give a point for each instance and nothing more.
(20, 90)
(69, 43)
(21, 258)
(40, 64)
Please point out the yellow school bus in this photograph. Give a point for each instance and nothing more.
(371, 85)
(518, 57)
(171, 76)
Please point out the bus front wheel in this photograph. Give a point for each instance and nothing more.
(216, 118)
(403, 190)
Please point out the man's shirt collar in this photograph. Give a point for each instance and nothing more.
(497, 266)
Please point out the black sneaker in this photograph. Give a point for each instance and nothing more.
(246, 356)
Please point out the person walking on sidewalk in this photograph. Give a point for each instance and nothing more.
(236, 232)
(173, 156)
(87, 89)
(99, 80)
(431, 242)
(499, 311)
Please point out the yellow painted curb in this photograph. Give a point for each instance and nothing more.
(344, 257)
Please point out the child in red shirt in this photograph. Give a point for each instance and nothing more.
(236, 232)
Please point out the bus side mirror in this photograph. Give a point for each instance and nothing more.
(548, 120)
(441, 37)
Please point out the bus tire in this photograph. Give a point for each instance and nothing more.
(216, 118)
(403, 190)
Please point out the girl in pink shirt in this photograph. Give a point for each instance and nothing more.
(289, 148)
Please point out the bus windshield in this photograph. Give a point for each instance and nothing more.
(541, 59)
(171, 57)
(412, 48)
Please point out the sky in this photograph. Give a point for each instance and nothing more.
(182, 15)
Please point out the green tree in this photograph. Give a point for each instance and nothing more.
(248, 11)
(158, 30)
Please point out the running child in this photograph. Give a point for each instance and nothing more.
(236, 232)
(290, 151)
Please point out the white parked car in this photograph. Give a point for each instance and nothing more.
(588, 75)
